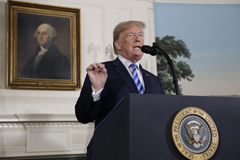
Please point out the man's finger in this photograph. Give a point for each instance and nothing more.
(95, 66)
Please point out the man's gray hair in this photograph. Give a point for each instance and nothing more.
(51, 29)
(121, 27)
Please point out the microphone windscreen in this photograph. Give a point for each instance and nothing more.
(146, 49)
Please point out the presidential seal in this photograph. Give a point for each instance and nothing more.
(195, 134)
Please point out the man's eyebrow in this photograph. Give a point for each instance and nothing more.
(132, 32)
(41, 31)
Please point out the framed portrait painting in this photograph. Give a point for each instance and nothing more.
(43, 46)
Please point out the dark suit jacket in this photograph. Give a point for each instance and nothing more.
(118, 84)
(53, 65)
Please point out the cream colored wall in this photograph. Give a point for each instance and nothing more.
(201, 1)
(42, 122)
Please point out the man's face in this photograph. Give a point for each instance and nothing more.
(129, 44)
(43, 36)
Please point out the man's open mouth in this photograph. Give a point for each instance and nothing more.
(137, 47)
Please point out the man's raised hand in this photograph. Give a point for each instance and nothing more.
(98, 75)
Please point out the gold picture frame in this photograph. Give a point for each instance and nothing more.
(43, 46)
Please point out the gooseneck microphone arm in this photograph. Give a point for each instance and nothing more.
(175, 81)
(155, 49)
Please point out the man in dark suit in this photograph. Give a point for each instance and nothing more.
(47, 62)
(107, 83)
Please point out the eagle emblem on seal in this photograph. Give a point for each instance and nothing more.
(195, 133)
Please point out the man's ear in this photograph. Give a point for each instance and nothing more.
(117, 45)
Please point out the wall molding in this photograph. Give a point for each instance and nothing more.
(59, 134)
(11, 125)
(48, 139)
(54, 125)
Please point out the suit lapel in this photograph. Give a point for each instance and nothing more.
(124, 74)
(147, 82)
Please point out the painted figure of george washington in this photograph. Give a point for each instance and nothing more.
(47, 62)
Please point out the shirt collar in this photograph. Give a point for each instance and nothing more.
(43, 49)
(126, 62)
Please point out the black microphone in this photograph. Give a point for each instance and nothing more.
(149, 50)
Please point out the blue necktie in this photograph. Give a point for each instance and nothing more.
(136, 78)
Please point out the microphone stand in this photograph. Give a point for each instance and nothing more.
(162, 52)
